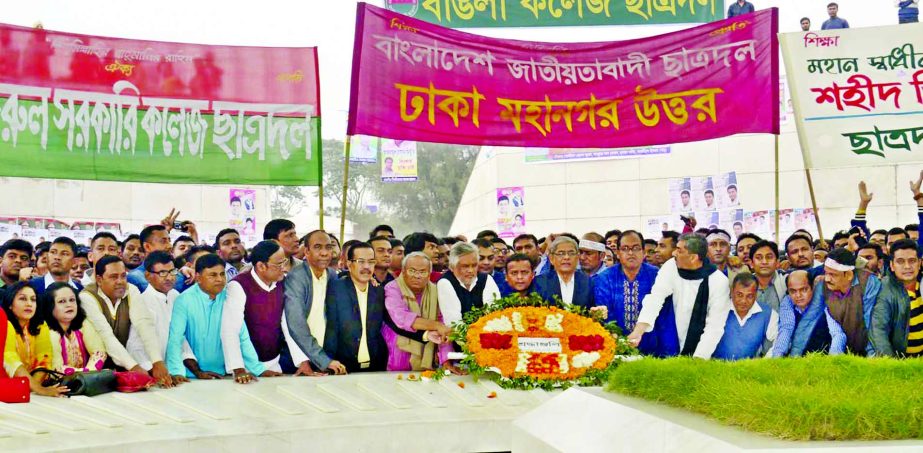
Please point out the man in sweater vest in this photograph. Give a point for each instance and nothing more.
(256, 299)
(355, 313)
(803, 326)
(751, 326)
(462, 287)
(850, 296)
(897, 319)
(114, 308)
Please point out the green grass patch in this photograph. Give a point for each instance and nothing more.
(812, 398)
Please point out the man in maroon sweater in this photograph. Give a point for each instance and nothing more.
(256, 298)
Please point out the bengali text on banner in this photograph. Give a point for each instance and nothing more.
(87, 107)
(544, 13)
(413, 80)
(858, 94)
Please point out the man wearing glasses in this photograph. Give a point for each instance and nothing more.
(565, 283)
(622, 287)
(160, 273)
(256, 299)
(355, 312)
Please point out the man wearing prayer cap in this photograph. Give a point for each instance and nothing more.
(850, 296)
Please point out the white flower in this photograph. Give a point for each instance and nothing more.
(517, 321)
(585, 359)
(522, 365)
(553, 322)
(562, 363)
(501, 324)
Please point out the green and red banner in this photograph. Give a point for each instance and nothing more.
(557, 13)
(86, 107)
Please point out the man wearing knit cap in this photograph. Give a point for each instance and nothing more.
(850, 296)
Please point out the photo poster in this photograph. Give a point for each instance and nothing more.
(364, 149)
(732, 221)
(9, 231)
(655, 226)
(805, 220)
(707, 219)
(704, 193)
(242, 204)
(761, 223)
(511, 212)
(681, 196)
(398, 161)
(112, 227)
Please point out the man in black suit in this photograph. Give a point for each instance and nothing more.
(355, 312)
(568, 284)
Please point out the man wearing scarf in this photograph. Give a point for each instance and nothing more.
(417, 338)
(850, 296)
(699, 296)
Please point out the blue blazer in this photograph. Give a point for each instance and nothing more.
(344, 326)
(548, 286)
(38, 284)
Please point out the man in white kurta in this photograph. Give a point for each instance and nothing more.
(681, 278)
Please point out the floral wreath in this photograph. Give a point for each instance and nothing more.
(582, 348)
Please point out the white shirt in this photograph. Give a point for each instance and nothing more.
(160, 306)
(232, 320)
(49, 280)
(141, 325)
(669, 283)
(362, 297)
(567, 289)
(772, 330)
(450, 305)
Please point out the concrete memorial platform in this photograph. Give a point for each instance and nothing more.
(590, 420)
(373, 412)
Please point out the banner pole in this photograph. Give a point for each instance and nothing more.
(345, 188)
(778, 232)
(820, 229)
(320, 183)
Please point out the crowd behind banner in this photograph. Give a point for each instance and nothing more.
(304, 304)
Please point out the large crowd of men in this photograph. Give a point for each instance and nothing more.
(305, 305)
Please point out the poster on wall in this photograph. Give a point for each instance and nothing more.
(364, 149)
(511, 212)
(681, 196)
(655, 226)
(243, 211)
(10, 231)
(732, 221)
(704, 193)
(562, 155)
(398, 161)
(112, 227)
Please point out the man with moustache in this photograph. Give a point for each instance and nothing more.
(564, 284)
(803, 326)
(382, 247)
(355, 315)
(850, 295)
(131, 253)
(519, 276)
(117, 313)
(232, 251)
(897, 319)
(14, 256)
(102, 244)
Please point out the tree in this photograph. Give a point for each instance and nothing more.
(286, 201)
(426, 205)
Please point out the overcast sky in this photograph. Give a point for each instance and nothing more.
(330, 24)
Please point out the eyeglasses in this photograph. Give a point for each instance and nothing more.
(165, 274)
(415, 273)
(364, 262)
(569, 254)
(280, 265)
(635, 249)
(502, 251)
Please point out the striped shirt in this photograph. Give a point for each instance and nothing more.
(915, 328)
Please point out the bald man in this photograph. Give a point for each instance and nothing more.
(803, 325)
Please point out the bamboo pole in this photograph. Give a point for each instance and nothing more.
(345, 189)
(778, 232)
(320, 182)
